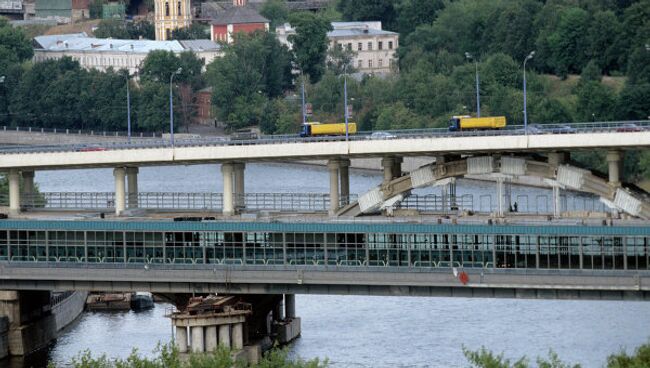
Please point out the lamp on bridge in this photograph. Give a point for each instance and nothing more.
(530, 56)
(171, 105)
(478, 98)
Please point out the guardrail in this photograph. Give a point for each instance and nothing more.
(102, 133)
(512, 130)
(538, 204)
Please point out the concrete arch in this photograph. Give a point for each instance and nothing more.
(557, 175)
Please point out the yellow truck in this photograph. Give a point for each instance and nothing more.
(465, 122)
(318, 129)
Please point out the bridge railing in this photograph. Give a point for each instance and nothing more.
(89, 132)
(537, 204)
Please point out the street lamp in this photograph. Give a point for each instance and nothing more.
(304, 113)
(171, 106)
(478, 98)
(128, 107)
(530, 56)
(345, 99)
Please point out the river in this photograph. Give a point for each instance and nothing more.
(361, 331)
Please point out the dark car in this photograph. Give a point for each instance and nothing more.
(560, 129)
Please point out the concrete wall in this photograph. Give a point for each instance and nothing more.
(31, 324)
(69, 309)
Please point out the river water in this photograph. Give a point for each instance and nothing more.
(361, 331)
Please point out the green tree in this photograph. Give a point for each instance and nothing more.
(370, 10)
(397, 116)
(276, 11)
(602, 41)
(160, 64)
(566, 42)
(196, 31)
(310, 43)
(254, 68)
(112, 28)
(550, 110)
(591, 72)
(412, 13)
(341, 59)
(151, 106)
(595, 102)
(14, 40)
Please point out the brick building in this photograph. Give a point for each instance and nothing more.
(239, 18)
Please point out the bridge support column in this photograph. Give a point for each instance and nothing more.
(228, 203)
(333, 166)
(132, 183)
(181, 339)
(614, 163)
(224, 335)
(28, 183)
(557, 201)
(388, 164)
(397, 167)
(556, 159)
(290, 306)
(239, 168)
(344, 172)
(237, 336)
(14, 191)
(503, 195)
(198, 344)
(31, 325)
(211, 341)
(120, 190)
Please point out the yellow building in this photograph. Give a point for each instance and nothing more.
(171, 14)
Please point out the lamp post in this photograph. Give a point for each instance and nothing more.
(304, 113)
(530, 56)
(128, 107)
(478, 97)
(345, 99)
(171, 106)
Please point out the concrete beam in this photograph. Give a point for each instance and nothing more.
(197, 343)
(224, 335)
(239, 184)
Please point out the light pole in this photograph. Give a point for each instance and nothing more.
(530, 56)
(478, 97)
(171, 106)
(345, 99)
(128, 107)
(304, 113)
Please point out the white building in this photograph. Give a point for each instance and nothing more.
(104, 53)
(374, 47)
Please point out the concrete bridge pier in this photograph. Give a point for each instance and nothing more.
(31, 325)
(290, 305)
(344, 174)
(181, 339)
(227, 170)
(388, 164)
(556, 159)
(14, 191)
(132, 182)
(238, 169)
(28, 182)
(120, 190)
(333, 167)
(615, 167)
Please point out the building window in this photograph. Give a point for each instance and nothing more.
(179, 8)
(168, 32)
(390, 45)
(380, 45)
(359, 46)
(349, 46)
(369, 63)
(360, 64)
(166, 9)
(369, 45)
(380, 63)
(340, 46)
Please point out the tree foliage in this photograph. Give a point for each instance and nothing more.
(310, 43)
(196, 31)
(121, 29)
(276, 11)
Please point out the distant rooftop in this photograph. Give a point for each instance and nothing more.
(81, 42)
(347, 29)
(238, 15)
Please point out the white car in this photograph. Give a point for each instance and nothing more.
(381, 135)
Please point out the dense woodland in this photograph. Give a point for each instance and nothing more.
(591, 63)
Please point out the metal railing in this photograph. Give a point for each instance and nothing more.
(537, 204)
(89, 132)
(511, 130)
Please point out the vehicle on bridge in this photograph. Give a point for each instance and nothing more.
(466, 122)
(317, 129)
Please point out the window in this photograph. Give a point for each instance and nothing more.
(340, 46)
(179, 8)
(168, 32)
(166, 9)
(380, 45)
(360, 63)
(359, 46)
(390, 45)
(369, 63)
(349, 46)
(369, 45)
(381, 63)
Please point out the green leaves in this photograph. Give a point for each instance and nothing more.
(310, 43)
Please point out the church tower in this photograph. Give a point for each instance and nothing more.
(171, 14)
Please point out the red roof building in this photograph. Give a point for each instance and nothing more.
(239, 18)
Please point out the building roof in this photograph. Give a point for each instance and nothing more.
(238, 15)
(346, 29)
(358, 32)
(81, 42)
